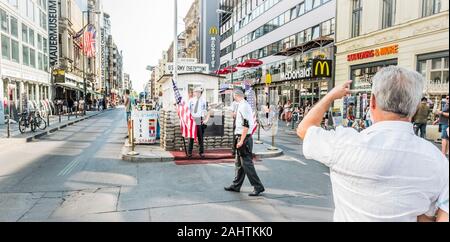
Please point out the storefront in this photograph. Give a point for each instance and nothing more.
(303, 78)
(417, 43)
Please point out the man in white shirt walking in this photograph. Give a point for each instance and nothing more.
(385, 173)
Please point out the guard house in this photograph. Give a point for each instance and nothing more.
(186, 83)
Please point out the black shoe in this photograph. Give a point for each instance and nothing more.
(189, 156)
(202, 156)
(232, 189)
(256, 193)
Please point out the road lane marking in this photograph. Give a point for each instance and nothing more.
(327, 174)
(69, 167)
(299, 161)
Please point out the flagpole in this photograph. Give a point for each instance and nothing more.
(175, 55)
(175, 42)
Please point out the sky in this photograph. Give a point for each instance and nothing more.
(143, 29)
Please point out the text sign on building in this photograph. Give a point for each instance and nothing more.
(389, 50)
(188, 68)
(319, 69)
(53, 32)
(213, 32)
(145, 126)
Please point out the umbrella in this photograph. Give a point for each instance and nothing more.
(231, 69)
(250, 63)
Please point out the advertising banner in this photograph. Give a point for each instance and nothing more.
(145, 126)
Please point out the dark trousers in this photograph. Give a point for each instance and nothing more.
(422, 128)
(200, 135)
(245, 167)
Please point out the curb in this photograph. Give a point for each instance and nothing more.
(270, 154)
(143, 159)
(41, 134)
(146, 159)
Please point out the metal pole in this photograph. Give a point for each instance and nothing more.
(8, 128)
(84, 68)
(175, 42)
(132, 152)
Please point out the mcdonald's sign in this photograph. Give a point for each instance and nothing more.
(213, 31)
(322, 68)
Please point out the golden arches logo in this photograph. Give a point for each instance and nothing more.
(213, 31)
(324, 67)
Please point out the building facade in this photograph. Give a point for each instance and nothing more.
(290, 37)
(375, 34)
(192, 25)
(24, 63)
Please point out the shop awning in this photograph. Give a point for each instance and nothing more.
(70, 87)
(317, 43)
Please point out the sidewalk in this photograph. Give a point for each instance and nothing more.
(154, 153)
(55, 125)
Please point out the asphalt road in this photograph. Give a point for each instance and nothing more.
(76, 174)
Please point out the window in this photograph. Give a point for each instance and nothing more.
(15, 51)
(389, 8)
(356, 18)
(31, 37)
(430, 7)
(6, 47)
(309, 5)
(25, 55)
(33, 58)
(316, 3)
(40, 61)
(301, 9)
(39, 42)
(4, 20)
(326, 28)
(316, 32)
(24, 33)
(14, 27)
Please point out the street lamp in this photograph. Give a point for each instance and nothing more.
(221, 11)
(84, 60)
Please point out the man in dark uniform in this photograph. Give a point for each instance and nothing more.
(244, 159)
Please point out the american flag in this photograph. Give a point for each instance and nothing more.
(251, 99)
(187, 121)
(88, 43)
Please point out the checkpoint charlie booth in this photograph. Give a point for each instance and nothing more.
(219, 133)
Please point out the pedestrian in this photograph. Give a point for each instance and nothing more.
(385, 173)
(421, 119)
(444, 124)
(288, 112)
(128, 104)
(234, 107)
(368, 117)
(351, 115)
(244, 159)
(199, 110)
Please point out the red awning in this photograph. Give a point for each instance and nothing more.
(251, 63)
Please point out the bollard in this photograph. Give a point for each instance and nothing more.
(273, 148)
(76, 112)
(132, 152)
(8, 128)
(59, 114)
(129, 133)
(259, 142)
(48, 119)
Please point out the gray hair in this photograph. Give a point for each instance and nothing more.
(398, 90)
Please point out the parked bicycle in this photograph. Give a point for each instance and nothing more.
(32, 120)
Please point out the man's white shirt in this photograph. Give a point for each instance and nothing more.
(244, 112)
(202, 107)
(385, 173)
